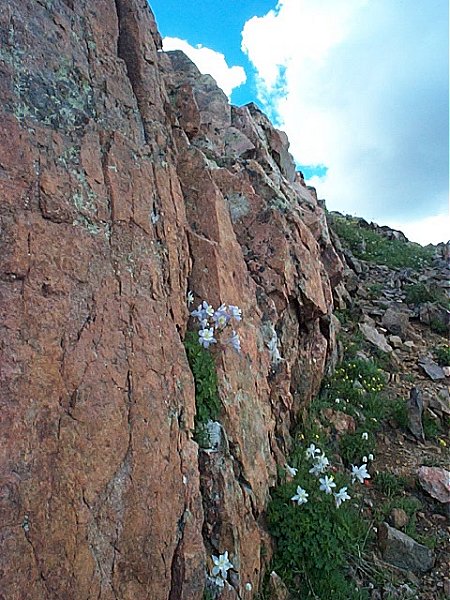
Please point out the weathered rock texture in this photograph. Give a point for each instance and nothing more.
(127, 179)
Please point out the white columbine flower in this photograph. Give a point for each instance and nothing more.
(341, 496)
(365, 435)
(364, 459)
(301, 497)
(371, 457)
(190, 298)
(206, 337)
(221, 564)
(292, 471)
(320, 464)
(326, 484)
(360, 473)
(312, 451)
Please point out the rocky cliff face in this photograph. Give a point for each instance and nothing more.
(126, 180)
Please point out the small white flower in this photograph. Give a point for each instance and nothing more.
(301, 497)
(320, 464)
(337, 400)
(190, 298)
(326, 484)
(371, 457)
(221, 564)
(364, 459)
(312, 451)
(248, 587)
(292, 471)
(360, 473)
(365, 435)
(219, 582)
(206, 337)
(341, 496)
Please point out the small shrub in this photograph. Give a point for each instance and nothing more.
(353, 447)
(203, 368)
(442, 354)
(399, 413)
(419, 293)
(388, 483)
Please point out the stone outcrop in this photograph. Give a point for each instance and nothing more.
(126, 179)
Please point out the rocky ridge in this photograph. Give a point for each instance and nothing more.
(126, 181)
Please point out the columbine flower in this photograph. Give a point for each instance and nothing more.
(326, 484)
(235, 312)
(234, 341)
(364, 459)
(206, 337)
(292, 471)
(341, 496)
(221, 317)
(365, 435)
(190, 298)
(360, 473)
(301, 497)
(312, 451)
(221, 564)
(204, 311)
(370, 456)
(321, 463)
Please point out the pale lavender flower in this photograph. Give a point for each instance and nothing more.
(221, 317)
(301, 497)
(234, 341)
(326, 484)
(360, 473)
(341, 496)
(204, 311)
(206, 337)
(235, 312)
(221, 564)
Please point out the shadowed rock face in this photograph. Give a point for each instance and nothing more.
(126, 179)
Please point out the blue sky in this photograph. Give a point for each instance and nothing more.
(359, 86)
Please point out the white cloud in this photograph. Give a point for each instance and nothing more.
(430, 230)
(209, 62)
(361, 87)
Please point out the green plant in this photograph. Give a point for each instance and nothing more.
(431, 427)
(371, 246)
(419, 293)
(438, 327)
(203, 368)
(389, 483)
(353, 447)
(442, 354)
(399, 412)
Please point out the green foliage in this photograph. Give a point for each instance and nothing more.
(353, 447)
(438, 327)
(314, 542)
(389, 484)
(442, 354)
(399, 412)
(369, 245)
(375, 290)
(431, 427)
(357, 384)
(418, 293)
(203, 368)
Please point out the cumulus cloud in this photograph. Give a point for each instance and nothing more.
(361, 88)
(209, 62)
